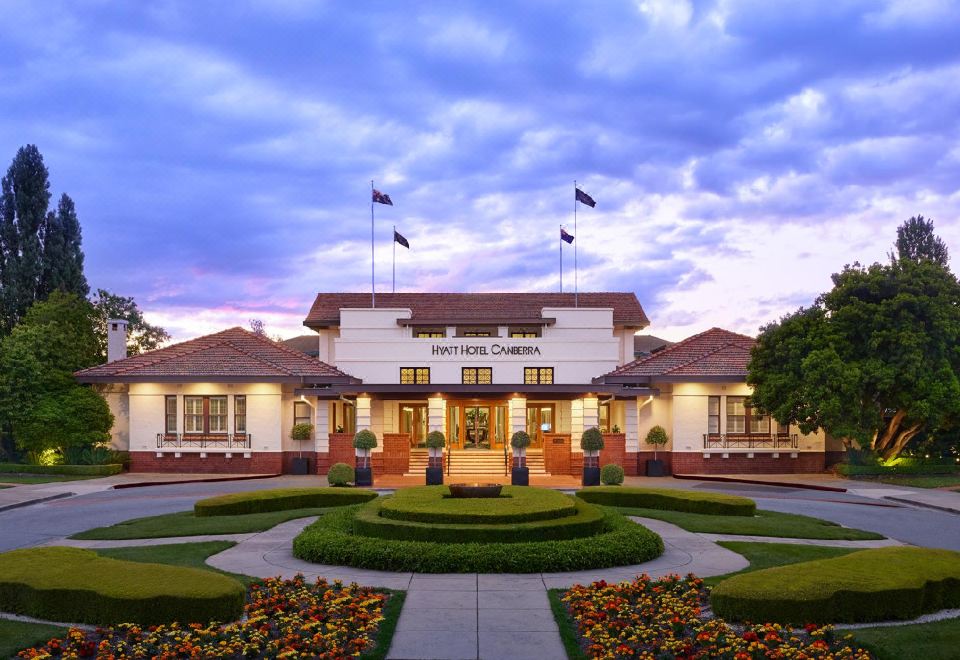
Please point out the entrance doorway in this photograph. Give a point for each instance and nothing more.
(481, 425)
(413, 422)
(540, 419)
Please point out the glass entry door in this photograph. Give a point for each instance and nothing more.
(413, 422)
(476, 427)
(540, 420)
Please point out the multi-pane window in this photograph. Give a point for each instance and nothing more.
(240, 413)
(217, 418)
(193, 414)
(537, 375)
(477, 333)
(301, 412)
(414, 375)
(477, 375)
(524, 333)
(604, 410)
(759, 423)
(713, 414)
(736, 414)
(205, 414)
(170, 424)
(429, 333)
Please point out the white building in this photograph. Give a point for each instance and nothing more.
(476, 366)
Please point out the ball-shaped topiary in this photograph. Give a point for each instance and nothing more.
(436, 440)
(520, 440)
(657, 436)
(340, 474)
(611, 474)
(591, 440)
(301, 431)
(365, 439)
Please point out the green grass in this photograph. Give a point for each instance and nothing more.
(517, 504)
(23, 479)
(920, 482)
(17, 635)
(765, 523)
(185, 523)
(939, 640)
(669, 499)
(191, 555)
(568, 631)
(391, 616)
(768, 555)
(280, 499)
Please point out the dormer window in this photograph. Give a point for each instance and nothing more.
(429, 333)
(477, 331)
(524, 332)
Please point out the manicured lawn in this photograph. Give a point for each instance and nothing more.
(765, 523)
(768, 555)
(16, 635)
(22, 479)
(185, 523)
(192, 555)
(931, 641)
(923, 481)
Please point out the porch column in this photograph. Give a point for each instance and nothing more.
(518, 415)
(321, 425)
(364, 413)
(631, 425)
(437, 414)
(591, 412)
(576, 421)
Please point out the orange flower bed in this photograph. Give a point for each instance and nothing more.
(664, 619)
(283, 619)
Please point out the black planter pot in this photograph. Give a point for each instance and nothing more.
(363, 476)
(434, 476)
(520, 476)
(655, 468)
(300, 466)
(591, 476)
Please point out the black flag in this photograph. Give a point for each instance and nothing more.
(584, 198)
(564, 236)
(398, 237)
(382, 198)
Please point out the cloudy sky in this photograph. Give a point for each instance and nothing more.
(220, 153)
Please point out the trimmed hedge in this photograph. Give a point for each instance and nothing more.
(847, 470)
(587, 521)
(670, 500)
(331, 540)
(281, 499)
(433, 504)
(870, 585)
(80, 470)
(77, 585)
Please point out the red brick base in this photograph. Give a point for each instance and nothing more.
(695, 463)
(258, 463)
(644, 456)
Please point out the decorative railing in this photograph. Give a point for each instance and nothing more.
(749, 440)
(203, 440)
(506, 460)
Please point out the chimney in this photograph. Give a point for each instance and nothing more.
(116, 339)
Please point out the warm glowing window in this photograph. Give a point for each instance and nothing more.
(217, 419)
(301, 412)
(538, 375)
(171, 409)
(429, 333)
(713, 414)
(414, 375)
(193, 414)
(240, 414)
(524, 333)
(205, 414)
(477, 375)
(736, 414)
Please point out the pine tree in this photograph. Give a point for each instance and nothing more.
(62, 255)
(23, 209)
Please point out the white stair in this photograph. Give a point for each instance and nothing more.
(475, 462)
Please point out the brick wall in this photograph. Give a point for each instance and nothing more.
(556, 453)
(341, 449)
(288, 457)
(644, 456)
(614, 449)
(695, 463)
(258, 463)
(396, 453)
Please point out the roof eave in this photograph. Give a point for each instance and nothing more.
(294, 380)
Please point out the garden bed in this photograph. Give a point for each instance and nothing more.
(281, 499)
(669, 499)
(516, 504)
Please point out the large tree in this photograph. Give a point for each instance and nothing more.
(62, 253)
(141, 336)
(873, 362)
(916, 242)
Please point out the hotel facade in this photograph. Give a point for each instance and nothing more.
(478, 367)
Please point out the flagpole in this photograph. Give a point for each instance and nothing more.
(394, 289)
(576, 282)
(373, 285)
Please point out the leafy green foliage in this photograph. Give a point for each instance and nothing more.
(82, 470)
(516, 504)
(141, 336)
(365, 439)
(591, 440)
(436, 440)
(280, 499)
(62, 268)
(73, 584)
(870, 585)
(96, 455)
(301, 431)
(520, 440)
(611, 474)
(340, 474)
(916, 242)
(657, 436)
(669, 499)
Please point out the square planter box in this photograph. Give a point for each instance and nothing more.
(520, 476)
(655, 468)
(591, 476)
(300, 466)
(363, 476)
(434, 476)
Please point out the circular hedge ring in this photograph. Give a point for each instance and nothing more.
(433, 504)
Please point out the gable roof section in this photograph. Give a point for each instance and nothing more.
(234, 355)
(475, 307)
(712, 355)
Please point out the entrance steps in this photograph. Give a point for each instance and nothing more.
(475, 462)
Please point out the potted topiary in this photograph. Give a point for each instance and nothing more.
(363, 442)
(435, 443)
(520, 475)
(340, 474)
(591, 442)
(300, 433)
(657, 436)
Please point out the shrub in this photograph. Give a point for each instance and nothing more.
(433, 504)
(591, 440)
(611, 474)
(80, 470)
(340, 474)
(365, 439)
(849, 470)
(587, 520)
(869, 585)
(331, 540)
(436, 440)
(670, 500)
(281, 499)
(93, 455)
(520, 440)
(301, 432)
(73, 584)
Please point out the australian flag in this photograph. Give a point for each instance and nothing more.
(584, 198)
(399, 238)
(381, 198)
(564, 236)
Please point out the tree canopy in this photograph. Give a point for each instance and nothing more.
(875, 360)
(916, 242)
(141, 336)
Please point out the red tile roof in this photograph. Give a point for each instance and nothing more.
(475, 307)
(231, 355)
(712, 354)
